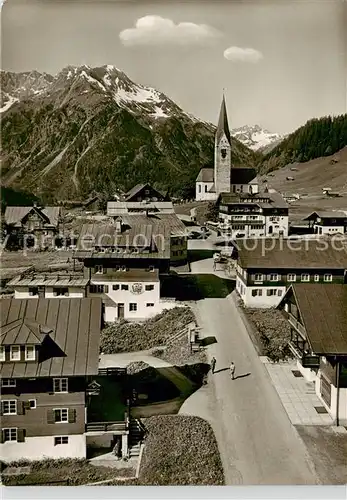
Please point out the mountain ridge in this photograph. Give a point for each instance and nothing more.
(93, 130)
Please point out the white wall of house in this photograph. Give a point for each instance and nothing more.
(261, 299)
(333, 406)
(202, 192)
(321, 230)
(127, 297)
(74, 292)
(307, 373)
(279, 225)
(39, 448)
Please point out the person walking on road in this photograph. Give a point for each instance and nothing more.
(213, 364)
(232, 370)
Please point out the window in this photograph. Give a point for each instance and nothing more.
(98, 288)
(9, 407)
(271, 292)
(148, 288)
(115, 287)
(328, 277)
(61, 440)
(316, 277)
(61, 415)
(117, 268)
(257, 292)
(15, 353)
(2, 353)
(132, 306)
(273, 277)
(10, 434)
(205, 188)
(258, 277)
(305, 277)
(199, 186)
(125, 287)
(291, 277)
(99, 269)
(279, 293)
(32, 404)
(29, 352)
(61, 292)
(151, 269)
(123, 268)
(33, 291)
(224, 153)
(149, 304)
(60, 385)
(8, 382)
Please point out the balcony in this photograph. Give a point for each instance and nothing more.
(97, 427)
(296, 325)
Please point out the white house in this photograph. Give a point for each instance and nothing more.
(223, 177)
(267, 267)
(317, 315)
(328, 222)
(256, 215)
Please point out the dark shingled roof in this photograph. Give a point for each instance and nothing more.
(291, 254)
(242, 175)
(68, 328)
(223, 126)
(323, 310)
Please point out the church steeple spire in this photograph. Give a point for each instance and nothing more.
(223, 127)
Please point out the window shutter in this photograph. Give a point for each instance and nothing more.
(20, 435)
(50, 417)
(253, 277)
(1, 408)
(71, 416)
(26, 405)
(2, 437)
(106, 288)
(20, 407)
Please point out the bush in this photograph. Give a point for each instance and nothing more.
(274, 333)
(128, 337)
(180, 450)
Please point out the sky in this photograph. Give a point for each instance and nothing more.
(280, 62)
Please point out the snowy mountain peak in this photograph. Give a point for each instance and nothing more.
(255, 137)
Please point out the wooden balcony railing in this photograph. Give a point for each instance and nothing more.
(119, 426)
(297, 325)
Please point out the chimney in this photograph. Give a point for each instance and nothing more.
(118, 224)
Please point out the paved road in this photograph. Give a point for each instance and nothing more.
(257, 442)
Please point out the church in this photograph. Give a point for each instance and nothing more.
(223, 177)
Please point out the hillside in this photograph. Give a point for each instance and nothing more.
(317, 138)
(309, 179)
(93, 130)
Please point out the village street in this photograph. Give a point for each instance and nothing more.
(257, 442)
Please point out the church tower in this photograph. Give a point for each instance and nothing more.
(222, 153)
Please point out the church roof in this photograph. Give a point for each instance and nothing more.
(223, 127)
(206, 174)
(239, 175)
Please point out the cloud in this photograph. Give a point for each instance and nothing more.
(155, 30)
(238, 54)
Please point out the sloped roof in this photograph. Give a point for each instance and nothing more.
(177, 227)
(223, 126)
(290, 254)
(206, 174)
(325, 214)
(22, 331)
(14, 215)
(323, 310)
(136, 189)
(72, 325)
(242, 175)
(155, 239)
